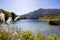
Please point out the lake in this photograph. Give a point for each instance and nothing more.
(36, 26)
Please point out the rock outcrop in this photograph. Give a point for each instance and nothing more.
(9, 20)
(16, 18)
(8, 17)
(2, 17)
(54, 22)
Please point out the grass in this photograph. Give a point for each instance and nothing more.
(52, 17)
(25, 35)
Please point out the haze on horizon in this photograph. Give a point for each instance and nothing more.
(21, 7)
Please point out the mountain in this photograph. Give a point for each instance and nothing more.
(41, 13)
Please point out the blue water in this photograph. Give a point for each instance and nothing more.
(36, 26)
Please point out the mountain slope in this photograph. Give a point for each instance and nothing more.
(41, 12)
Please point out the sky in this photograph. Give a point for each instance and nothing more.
(21, 7)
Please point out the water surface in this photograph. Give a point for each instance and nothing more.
(36, 26)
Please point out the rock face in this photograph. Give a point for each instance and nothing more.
(16, 18)
(2, 17)
(7, 17)
(9, 20)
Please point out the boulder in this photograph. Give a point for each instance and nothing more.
(54, 23)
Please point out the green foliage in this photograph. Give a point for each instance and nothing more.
(54, 17)
(4, 35)
(52, 37)
(26, 35)
(5, 12)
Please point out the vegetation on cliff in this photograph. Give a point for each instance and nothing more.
(5, 12)
(8, 14)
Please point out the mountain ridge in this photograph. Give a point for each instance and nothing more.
(41, 12)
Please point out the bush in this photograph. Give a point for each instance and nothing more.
(25, 35)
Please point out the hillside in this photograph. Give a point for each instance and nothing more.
(53, 17)
(53, 20)
(41, 13)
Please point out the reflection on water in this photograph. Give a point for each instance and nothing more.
(34, 26)
(9, 27)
